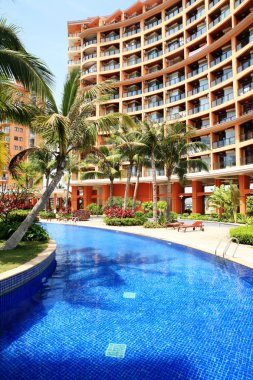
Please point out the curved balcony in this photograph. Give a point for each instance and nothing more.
(74, 48)
(110, 67)
(222, 78)
(174, 30)
(196, 35)
(132, 32)
(152, 40)
(174, 46)
(110, 38)
(221, 58)
(196, 90)
(153, 55)
(196, 16)
(245, 65)
(157, 103)
(222, 99)
(88, 57)
(132, 47)
(90, 42)
(218, 19)
(132, 93)
(175, 98)
(74, 62)
(152, 24)
(173, 13)
(176, 80)
(132, 62)
(155, 87)
(198, 70)
(109, 53)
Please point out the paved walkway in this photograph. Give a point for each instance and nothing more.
(204, 240)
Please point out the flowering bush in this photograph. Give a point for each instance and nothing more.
(117, 212)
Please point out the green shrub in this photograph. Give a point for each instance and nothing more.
(18, 216)
(123, 221)
(47, 215)
(243, 234)
(95, 209)
(34, 233)
(173, 216)
(119, 202)
(150, 224)
(147, 206)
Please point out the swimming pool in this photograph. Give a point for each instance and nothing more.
(178, 313)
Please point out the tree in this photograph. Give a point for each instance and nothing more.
(108, 164)
(12, 200)
(139, 161)
(25, 175)
(69, 129)
(151, 138)
(72, 166)
(249, 204)
(175, 147)
(43, 163)
(128, 143)
(17, 65)
(227, 199)
(3, 153)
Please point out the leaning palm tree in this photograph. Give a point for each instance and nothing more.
(175, 147)
(107, 162)
(151, 138)
(17, 65)
(128, 143)
(69, 129)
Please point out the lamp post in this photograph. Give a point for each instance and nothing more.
(181, 203)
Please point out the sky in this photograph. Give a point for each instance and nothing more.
(43, 25)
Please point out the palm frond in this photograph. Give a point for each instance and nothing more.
(70, 91)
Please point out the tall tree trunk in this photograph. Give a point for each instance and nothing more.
(67, 195)
(138, 173)
(111, 193)
(47, 184)
(169, 207)
(129, 173)
(154, 184)
(15, 238)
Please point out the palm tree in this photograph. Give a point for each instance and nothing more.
(227, 199)
(72, 166)
(43, 162)
(152, 134)
(140, 160)
(127, 141)
(69, 129)
(108, 164)
(175, 146)
(17, 65)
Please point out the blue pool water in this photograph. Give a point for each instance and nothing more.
(191, 317)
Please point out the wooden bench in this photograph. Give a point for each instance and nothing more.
(194, 225)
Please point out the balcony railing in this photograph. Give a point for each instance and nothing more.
(222, 99)
(247, 160)
(153, 55)
(175, 80)
(134, 108)
(90, 42)
(177, 115)
(200, 108)
(244, 42)
(247, 110)
(157, 119)
(198, 70)
(224, 142)
(195, 51)
(74, 62)
(133, 75)
(198, 89)
(154, 104)
(245, 65)
(225, 119)
(89, 56)
(197, 34)
(110, 38)
(132, 93)
(152, 24)
(109, 52)
(221, 58)
(238, 2)
(173, 13)
(174, 30)
(219, 18)
(226, 163)
(132, 47)
(131, 32)
(72, 35)
(111, 67)
(246, 87)
(213, 3)
(74, 48)
(154, 87)
(246, 136)
(113, 96)
(175, 98)
(154, 39)
(132, 62)
(190, 2)
(90, 70)
(222, 78)
(175, 45)
(196, 16)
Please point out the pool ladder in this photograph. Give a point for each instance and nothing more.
(231, 240)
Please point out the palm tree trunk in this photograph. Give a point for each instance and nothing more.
(138, 173)
(111, 193)
(13, 241)
(129, 173)
(168, 211)
(67, 195)
(154, 184)
(47, 183)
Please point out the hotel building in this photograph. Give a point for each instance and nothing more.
(189, 61)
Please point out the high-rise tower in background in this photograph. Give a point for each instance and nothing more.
(189, 60)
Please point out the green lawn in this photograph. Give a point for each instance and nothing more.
(25, 251)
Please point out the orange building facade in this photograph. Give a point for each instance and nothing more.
(189, 61)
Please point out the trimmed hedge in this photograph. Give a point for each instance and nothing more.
(123, 221)
(34, 233)
(150, 224)
(18, 216)
(243, 234)
(47, 215)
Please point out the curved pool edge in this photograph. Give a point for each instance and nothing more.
(17, 277)
(149, 234)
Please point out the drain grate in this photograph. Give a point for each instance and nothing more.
(116, 350)
(129, 295)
